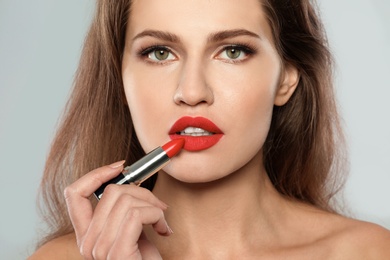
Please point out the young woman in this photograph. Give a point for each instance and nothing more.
(255, 76)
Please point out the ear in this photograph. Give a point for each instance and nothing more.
(288, 83)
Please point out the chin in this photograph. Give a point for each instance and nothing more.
(193, 180)
(196, 175)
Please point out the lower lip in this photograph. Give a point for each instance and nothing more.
(198, 143)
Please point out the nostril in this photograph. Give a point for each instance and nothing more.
(193, 98)
(193, 92)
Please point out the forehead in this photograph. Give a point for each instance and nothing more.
(198, 16)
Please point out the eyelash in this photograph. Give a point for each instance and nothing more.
(246, 48)
(144, 53)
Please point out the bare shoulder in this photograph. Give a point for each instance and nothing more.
(64, 247)
(356, 239)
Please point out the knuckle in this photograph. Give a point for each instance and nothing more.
(111, 190)
(99, 252)
(146, 192)
(86, 251)
(113, 255)
(135, 189)
(133, 214)
(151, 197)
(161, 212)
(125, 199)
(69, 191)
(132, 252)
(141, 193)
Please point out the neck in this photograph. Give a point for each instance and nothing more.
(227, 213)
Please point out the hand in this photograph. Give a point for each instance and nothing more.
(114, 229)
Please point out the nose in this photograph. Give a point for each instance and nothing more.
(192, 88)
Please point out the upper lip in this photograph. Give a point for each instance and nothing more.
(200, 122)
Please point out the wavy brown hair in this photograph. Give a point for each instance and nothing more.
(302, 151)
(305, 154)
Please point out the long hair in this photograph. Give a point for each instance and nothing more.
(305, 154)
(96, 128)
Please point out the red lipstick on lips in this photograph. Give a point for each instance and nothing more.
(200, 140)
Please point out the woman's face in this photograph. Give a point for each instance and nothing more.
(207, 71)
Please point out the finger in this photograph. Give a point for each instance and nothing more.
(102, 238)
(77, 195)
(123, 197)
(128, 195)
(126, 242)
(112, 192)
(147, 249)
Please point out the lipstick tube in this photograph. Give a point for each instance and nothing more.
(145, 167)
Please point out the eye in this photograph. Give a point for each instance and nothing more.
(158, 54)
(235, 53)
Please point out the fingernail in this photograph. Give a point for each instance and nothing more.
(165, 206)
(117, 164)
(170, 231)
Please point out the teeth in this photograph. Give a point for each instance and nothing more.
(195, 131)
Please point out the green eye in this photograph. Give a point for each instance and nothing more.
(161, 54)
(233, 53)
(158, 54)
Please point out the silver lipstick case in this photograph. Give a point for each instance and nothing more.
(139, 171)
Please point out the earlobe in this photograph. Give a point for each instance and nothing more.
(288, 84)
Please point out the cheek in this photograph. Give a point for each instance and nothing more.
(253, 117)
(249, 93)
(147, 107)
(251, 101)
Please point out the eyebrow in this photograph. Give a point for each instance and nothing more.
(214, 37)
(226, 34)
(159, 35)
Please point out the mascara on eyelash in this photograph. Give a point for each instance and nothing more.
(146, 51)
(247, 49)
(242, 47)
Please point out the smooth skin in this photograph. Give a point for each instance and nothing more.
(214, 59)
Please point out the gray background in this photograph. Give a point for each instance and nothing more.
(40, 43)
